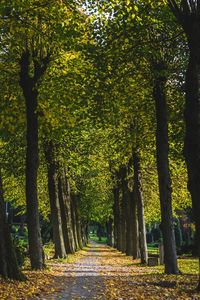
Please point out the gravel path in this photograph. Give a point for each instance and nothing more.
(101, 272)
(85, 280)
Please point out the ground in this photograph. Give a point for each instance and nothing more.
(101, 272)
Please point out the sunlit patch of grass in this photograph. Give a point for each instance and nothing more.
(153, 250)
(94, 238)
(49, 250)
(186, 266)
(189, 266)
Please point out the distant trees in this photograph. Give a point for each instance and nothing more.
(148, 57)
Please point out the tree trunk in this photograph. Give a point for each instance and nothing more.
(78, 222)
(117, 216)
(129, 215)
(64, 206)
(67, 196)
(114, 223)
(190, 23)
(129, 229)
(84, 233)
(192, 134)
(123, 207)
(162, 148)
(100, 232)
(140, 209)
(74, 221)
(54, 201)
(134, 225)
(29, 88)
(109, 229)
(130, 226)
(8, 262)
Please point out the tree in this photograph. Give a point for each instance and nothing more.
(151, 53)
(188, 13)
(140, 208)
(43, 30)
(28, 84)
(58, 235)
(8, 261)
(162, 148)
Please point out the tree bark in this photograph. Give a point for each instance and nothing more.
(140, 209)
(130, 225)
(109, 229)
(8, 263)
(74, 221)
(64, 206)
(128, 213)
(54, 201)
(29, 88)
(162, 149)
(192, 133)
(123, 207)
(114, 223)
(78, 221)
(129, 228)
(134, 225)
(191, 26)
(68, 201)
(84, 228)
(117, 216)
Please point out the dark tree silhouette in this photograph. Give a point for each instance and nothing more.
(188, 15)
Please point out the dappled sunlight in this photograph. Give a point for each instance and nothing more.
(101, 272)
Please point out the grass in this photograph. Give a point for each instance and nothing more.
(189, 265)
(94, 238)
(49, 251)
(152, 250)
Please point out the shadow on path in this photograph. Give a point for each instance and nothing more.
(104, 273)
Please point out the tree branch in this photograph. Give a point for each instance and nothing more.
(176, 10)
